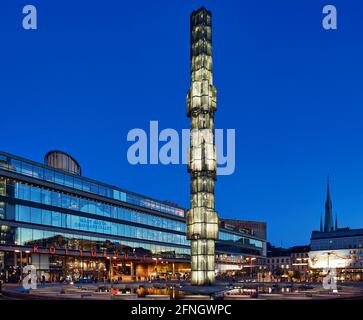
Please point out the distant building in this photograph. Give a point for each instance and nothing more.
(287, 264)
(255, 228)
(339, 248)
(251, 265)
(299, 259)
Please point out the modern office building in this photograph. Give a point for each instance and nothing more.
(202, 219)
(255, 228)
(252, 266)
(338, 248)
(67, 225)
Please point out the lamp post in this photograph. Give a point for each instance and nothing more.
(16, 262)
(27, 256)
(252, 259)
(328, 260)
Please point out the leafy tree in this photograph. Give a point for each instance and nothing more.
(278, 272)
(296, 275)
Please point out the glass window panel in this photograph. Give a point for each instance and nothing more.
(74, 205)
(35, 194)
(56, 199)
(68, 181)
(86, 186)
(92, 207)
(83, 204)
(101, 191)
(16, 165)
(27, 169)
(94, 188)
(38, 172)
(107, 210)
(36, 215)
(66, 201)
(75, 224)
(46, 217)
(26, 236)
(49, 175)
(24, 213)
(77, 184)
(59, 178)
(46, 197)
(26, 194)
(56, 219)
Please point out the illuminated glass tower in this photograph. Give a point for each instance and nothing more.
(202, 220)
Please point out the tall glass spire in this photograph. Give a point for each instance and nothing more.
(202, 220)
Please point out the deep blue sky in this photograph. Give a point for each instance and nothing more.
(294, 93)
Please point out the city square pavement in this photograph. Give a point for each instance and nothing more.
(177, 291)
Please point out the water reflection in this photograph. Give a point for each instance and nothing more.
(143, 292)
(170, 291)
(248, 291)
(267, 289)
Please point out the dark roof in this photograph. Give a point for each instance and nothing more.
(340, 233)
(297, 249)
(279, 253)
(273, 251)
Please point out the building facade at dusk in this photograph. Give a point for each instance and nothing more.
(67, 225)
(255, 228)
(287, 264)
(337, 248)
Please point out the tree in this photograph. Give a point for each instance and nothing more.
(296, 275)
(278, 272)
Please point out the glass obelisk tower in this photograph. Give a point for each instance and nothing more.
(202, 220)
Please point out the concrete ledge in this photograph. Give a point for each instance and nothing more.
(157, 297)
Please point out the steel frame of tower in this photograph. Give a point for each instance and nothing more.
(202, 220)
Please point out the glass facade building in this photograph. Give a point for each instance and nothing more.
(71, 226)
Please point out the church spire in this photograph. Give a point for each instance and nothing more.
(329, 224)
(336, 221)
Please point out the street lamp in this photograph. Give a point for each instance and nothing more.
(252, 259)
